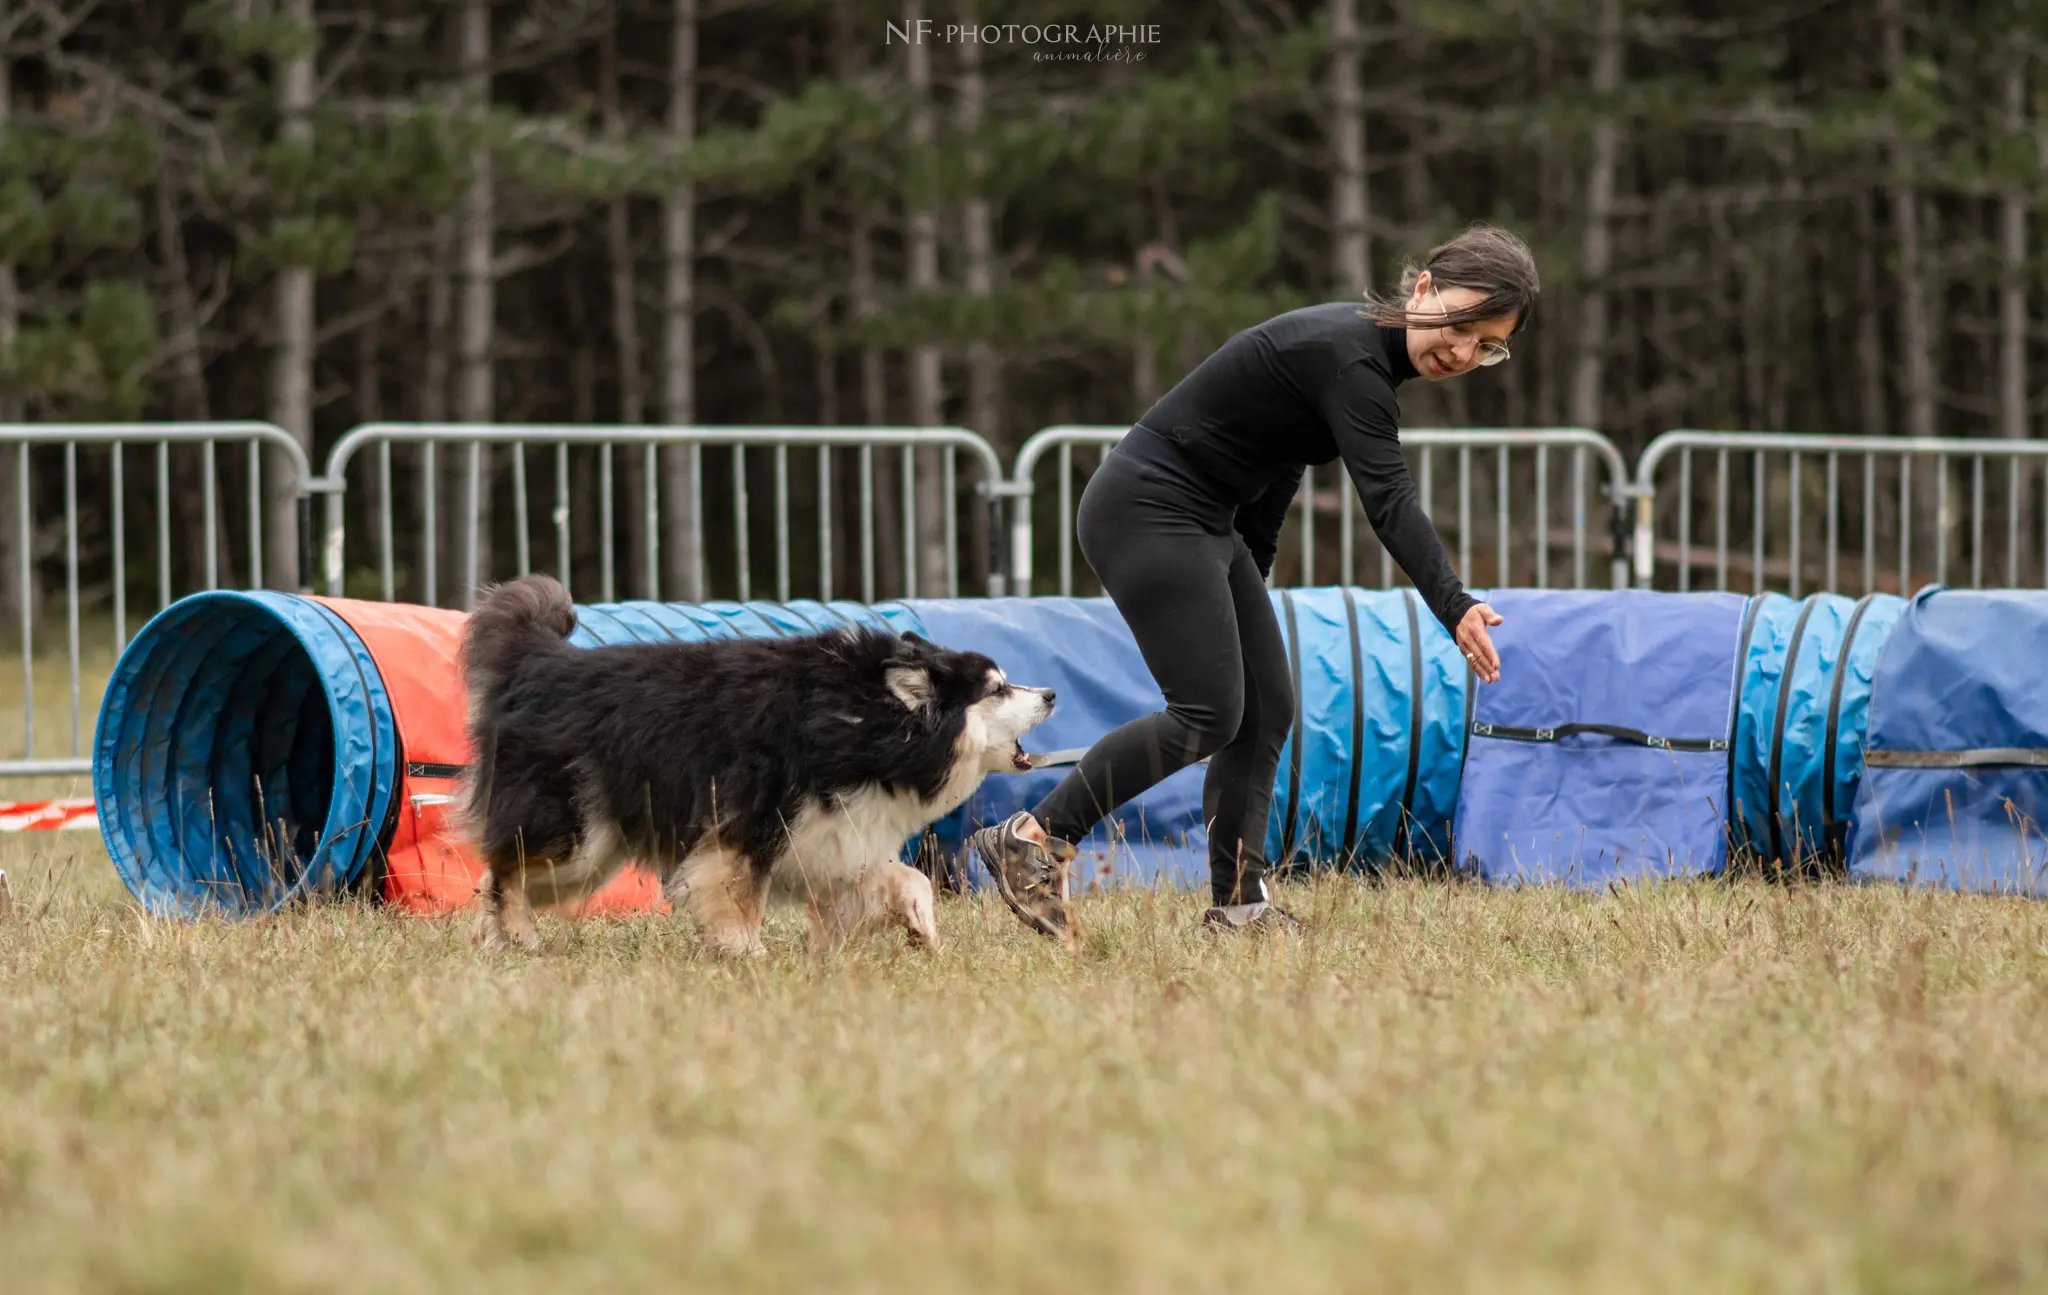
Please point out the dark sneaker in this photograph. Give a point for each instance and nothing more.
(1030, 876)
(1259, 918)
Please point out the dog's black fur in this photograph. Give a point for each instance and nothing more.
(686, 746)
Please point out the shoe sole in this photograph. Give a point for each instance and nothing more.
(1255, 928)
(990, 862)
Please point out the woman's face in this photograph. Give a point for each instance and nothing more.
(1440, 353)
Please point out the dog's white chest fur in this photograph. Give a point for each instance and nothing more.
(834, 842)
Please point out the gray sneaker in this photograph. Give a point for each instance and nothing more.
(1259, 918)
(1031, 877)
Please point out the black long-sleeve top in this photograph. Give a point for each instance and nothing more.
(1304, 388)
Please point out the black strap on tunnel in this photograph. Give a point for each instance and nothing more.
(423, 769)
(346, 635)
(1741, 669)
(1832, 830)
(1465, 747)
(1967, 758)
(1620, 733)
(1287, 835)
(1414, 724)
(1357, 720)
(1775, 765)
(1471, 679)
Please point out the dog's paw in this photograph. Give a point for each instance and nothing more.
(484, 932)
(491, 934)
(737, 949)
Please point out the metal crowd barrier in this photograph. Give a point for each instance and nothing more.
(1799, 509)
(1549, 466)
(1711, 510)
(735, 575)
(102, 522)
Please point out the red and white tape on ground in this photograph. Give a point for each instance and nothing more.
(47, 816)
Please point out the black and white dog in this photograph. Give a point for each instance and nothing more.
(737, 769)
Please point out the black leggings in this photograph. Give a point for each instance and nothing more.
(1168, 556)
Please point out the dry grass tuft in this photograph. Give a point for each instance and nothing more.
(1447, 1088)
(1739, 1086)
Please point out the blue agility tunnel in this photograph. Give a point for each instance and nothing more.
(257, 748)
(1807, 668)
(1955, 778)
(1369, 773)
(245, 755)
(1601, 755)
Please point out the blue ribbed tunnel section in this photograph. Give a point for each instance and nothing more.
(1602, 752)
(1370, 771)
(1082, 649)
(1807, 667)
(650, 622)
(1955, 778)
(245, 756)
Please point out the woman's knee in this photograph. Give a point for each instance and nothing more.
(1208, 724)
(1275, 705)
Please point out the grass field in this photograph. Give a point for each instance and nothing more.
(1723, 1087)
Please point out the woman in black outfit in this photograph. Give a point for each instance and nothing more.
(1181, 525)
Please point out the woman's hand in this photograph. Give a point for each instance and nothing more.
(1474, 642)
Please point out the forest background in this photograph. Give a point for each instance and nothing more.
(1801, 215)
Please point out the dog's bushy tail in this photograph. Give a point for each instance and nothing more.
(513, 620)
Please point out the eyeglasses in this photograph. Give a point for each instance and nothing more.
(1490, 353)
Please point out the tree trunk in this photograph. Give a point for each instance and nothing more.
(927, 393)
(474, 397)
(1751, 275)
(586, 507)
(1540, 393)
(1595, 248)
(1916, 339)
(1872, 539)
(1784, 268)
(681, 465)
(631, 464)
(1350, 256)
(2012, 257)
(291, 379)
(874, 392)
(370, 409)
(874, 376)
(189, 401)
(432, 570)
(16, 599)
(1144, 341)
(1914, 332)
(984, 364)
(1869, 335)
(2014, 212)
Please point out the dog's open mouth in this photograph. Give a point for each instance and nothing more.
(1019, 760)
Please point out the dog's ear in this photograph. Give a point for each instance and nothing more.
(912, 636)
(912, 684)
